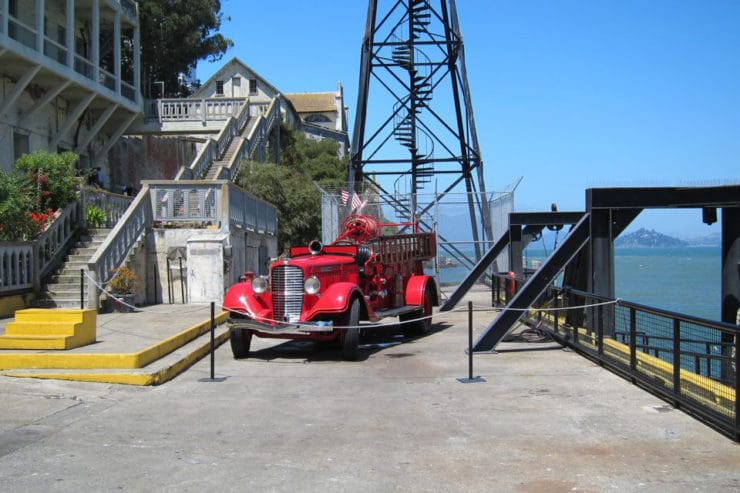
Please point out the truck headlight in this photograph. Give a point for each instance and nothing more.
(259, 284)
(312, 285)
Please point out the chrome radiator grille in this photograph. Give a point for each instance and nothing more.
(287, 292)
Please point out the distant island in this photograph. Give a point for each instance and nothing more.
(648, 238)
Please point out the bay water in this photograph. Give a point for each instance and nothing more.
(686, 280)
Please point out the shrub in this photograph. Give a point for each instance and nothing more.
(50, 179)
(42, 220)
(123, 280)
(15, 222)
(95, 216)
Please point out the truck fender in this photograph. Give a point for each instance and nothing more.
(242, 298)
(336, 299)
(416, 287)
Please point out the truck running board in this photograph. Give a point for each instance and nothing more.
(395, 312)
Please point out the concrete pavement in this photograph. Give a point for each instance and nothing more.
(293, 418)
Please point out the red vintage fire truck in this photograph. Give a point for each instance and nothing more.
(322, 292)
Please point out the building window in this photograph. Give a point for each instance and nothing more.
(252, 87)
(219, 88)
(21, 145)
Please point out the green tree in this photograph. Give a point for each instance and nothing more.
(49, 179)
(175, 35)
(290, 185)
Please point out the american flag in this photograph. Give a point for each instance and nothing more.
(356, 202)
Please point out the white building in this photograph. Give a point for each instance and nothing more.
(323, 115)
(320, 115)
(69, 77)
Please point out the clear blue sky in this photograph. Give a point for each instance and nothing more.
(566, 94)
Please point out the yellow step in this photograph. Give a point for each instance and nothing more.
(64, 315)
(39, 328)
(34, 342)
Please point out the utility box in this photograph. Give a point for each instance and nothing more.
(206, 266)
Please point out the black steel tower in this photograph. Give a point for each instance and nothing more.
(414, 114)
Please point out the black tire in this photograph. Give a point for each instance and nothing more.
(422, 322)
(351, 336)
(240, 341)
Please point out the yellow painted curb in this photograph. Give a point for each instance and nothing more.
(140, 379)
(139, 359)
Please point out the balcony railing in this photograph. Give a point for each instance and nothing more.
(200, 203)
(49, 48)
(24, 34)
(180, 110)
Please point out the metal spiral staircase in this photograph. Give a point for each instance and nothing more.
(412, 53)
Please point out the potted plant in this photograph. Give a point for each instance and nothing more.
(121, 288)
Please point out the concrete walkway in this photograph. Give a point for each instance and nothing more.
(147, 347)
(293, 418)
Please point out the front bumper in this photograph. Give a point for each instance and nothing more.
(297, 328)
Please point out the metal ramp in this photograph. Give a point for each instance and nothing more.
(577, 238)
(514, 238)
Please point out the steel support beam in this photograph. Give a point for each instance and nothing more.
(545, 218)
(730, 288)
(730, 264)
(575, 241)
(478, 270)
(662, 197)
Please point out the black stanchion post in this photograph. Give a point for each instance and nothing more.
(182, 284)
(169, 282)
(471, 378)
(156, 282)
(470, 340)
(213, 340)
(82, 289)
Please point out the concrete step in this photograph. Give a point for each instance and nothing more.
(58, 302)
(35, 342)
(157, 372)
(66, 278)
(38, 328)
(64, 291)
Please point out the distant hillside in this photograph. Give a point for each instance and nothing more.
(712, 239)
(647, 238)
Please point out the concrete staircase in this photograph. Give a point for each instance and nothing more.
(63, 290)
(216, 166)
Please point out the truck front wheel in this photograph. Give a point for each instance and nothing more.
(351, 335)
(240, 341)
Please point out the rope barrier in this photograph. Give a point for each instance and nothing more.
(120, 300)
(440, 315)
(299, 326)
